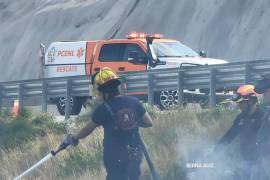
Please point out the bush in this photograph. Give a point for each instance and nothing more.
(17, 130)
(47, 122)
(80, 160)
(152, 110)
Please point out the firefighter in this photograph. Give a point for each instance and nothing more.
(263, 87)
(246, 126)
(263, 139)
(121, 117)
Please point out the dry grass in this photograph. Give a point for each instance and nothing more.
(176, 138)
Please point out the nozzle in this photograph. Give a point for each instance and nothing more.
(62, 146)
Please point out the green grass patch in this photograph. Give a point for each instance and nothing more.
(80, 160)
(175, 137)
(18, 130)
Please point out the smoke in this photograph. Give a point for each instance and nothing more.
(202, 162)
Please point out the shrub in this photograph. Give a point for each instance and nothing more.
(17, 130)
(80, 160)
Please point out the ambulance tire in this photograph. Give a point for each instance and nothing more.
(76, 105)
(166, 99)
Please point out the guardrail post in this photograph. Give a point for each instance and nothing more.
(123, 85)
(1, 99)
(150, 89)
(44, 95)
(68, 97)
(212, 102)
(181, 88)
(21, 93)
(247, 74)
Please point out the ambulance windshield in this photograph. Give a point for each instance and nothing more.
(173, 49)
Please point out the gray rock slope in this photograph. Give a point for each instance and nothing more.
(234, 30)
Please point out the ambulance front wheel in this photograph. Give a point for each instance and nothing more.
(166, 99)
(75, 105)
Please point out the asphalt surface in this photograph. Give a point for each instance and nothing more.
(52, 110)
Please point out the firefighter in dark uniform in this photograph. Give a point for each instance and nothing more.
(263, 139)
(121, 117)
(246, 126)
(263, 87)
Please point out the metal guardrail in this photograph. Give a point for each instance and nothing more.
(211, 77)
(228, 76)
(44, 88)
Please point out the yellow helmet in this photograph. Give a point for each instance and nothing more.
(106, 79)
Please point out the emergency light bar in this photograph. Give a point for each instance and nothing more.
(156, 36)
(135, 35)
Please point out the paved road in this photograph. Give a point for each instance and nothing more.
(53, 111)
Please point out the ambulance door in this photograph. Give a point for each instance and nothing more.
(115, 56)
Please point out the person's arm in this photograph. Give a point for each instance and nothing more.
(230, 135)
(85, 131)
(146, 120)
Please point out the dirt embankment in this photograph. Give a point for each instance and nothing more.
(233, 30)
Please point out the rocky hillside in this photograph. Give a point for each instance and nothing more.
(233, 30)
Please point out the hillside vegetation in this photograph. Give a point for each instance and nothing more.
(178, 137)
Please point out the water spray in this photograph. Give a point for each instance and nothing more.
(63, 146)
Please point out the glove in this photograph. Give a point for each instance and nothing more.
(71, 140)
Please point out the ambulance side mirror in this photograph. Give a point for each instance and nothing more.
(135, 59)
(203, 54)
